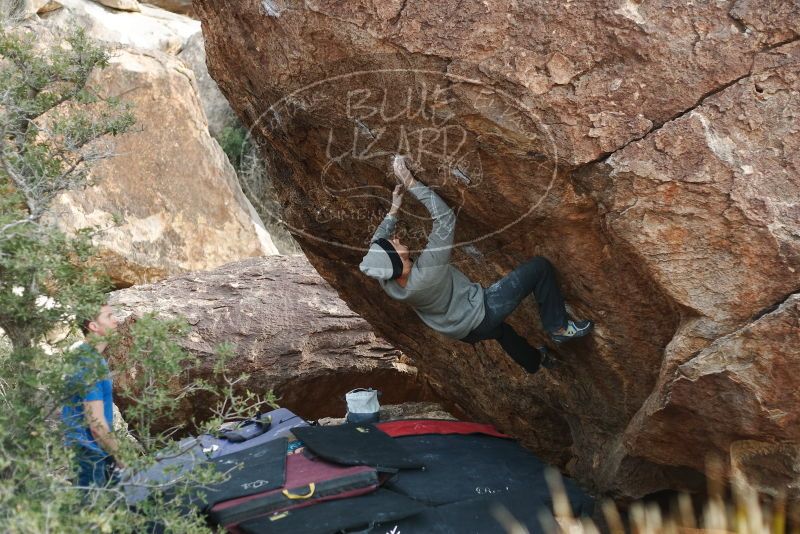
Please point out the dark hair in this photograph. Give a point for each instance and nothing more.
(85, 326)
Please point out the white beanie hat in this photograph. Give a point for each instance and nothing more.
(381, 261)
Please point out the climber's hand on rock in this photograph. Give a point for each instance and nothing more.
(402, 172)
(397, 199)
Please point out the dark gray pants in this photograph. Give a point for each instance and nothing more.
(535, 276)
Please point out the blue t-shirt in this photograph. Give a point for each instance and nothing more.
(91, 381)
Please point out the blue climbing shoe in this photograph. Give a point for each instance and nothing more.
(574, 330)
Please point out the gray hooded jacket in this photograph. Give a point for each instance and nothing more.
(441, 295)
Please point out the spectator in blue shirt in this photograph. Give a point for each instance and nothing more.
(89, 412)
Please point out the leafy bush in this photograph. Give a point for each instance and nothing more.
(234, 143)
(53, 128)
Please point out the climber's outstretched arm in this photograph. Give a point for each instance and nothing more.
(440, 240)
(385, 230)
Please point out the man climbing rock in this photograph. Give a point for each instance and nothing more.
(446, 300)
(88, 414)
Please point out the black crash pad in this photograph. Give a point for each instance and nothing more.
(334, 516)
(246, 472)
(473, 516)
(357, 444)
(462, 467)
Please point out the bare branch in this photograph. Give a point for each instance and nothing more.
(21, 184)
(14, 224)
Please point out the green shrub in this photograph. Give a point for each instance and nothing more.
(53, 128)
(234, 143)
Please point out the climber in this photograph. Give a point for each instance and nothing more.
(446, 300)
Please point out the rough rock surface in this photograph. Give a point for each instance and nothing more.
(770, 468)
(710, 206)
(291, 333)
(151, 28)
(178, 195)
(649, 149)
(49, 6)
(740, 387)
(216, 107)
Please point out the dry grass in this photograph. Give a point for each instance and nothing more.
(740, 511)
(736, 509)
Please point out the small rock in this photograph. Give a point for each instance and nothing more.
(182, 7)
(561, 68)
(51, 5)
(121, 5)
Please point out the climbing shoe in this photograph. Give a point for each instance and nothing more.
(574, 329)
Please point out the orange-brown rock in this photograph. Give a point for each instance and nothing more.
(178, 197)
(647, 148)
(710, 206)
(290, 331)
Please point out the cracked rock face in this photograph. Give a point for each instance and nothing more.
(291, 332)
(741, 386)
(649, 150)
(710, 205)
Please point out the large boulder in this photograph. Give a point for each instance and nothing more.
(148, 27)
(709, 206)
(649, 149)
(181, 205)
(291, 332)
